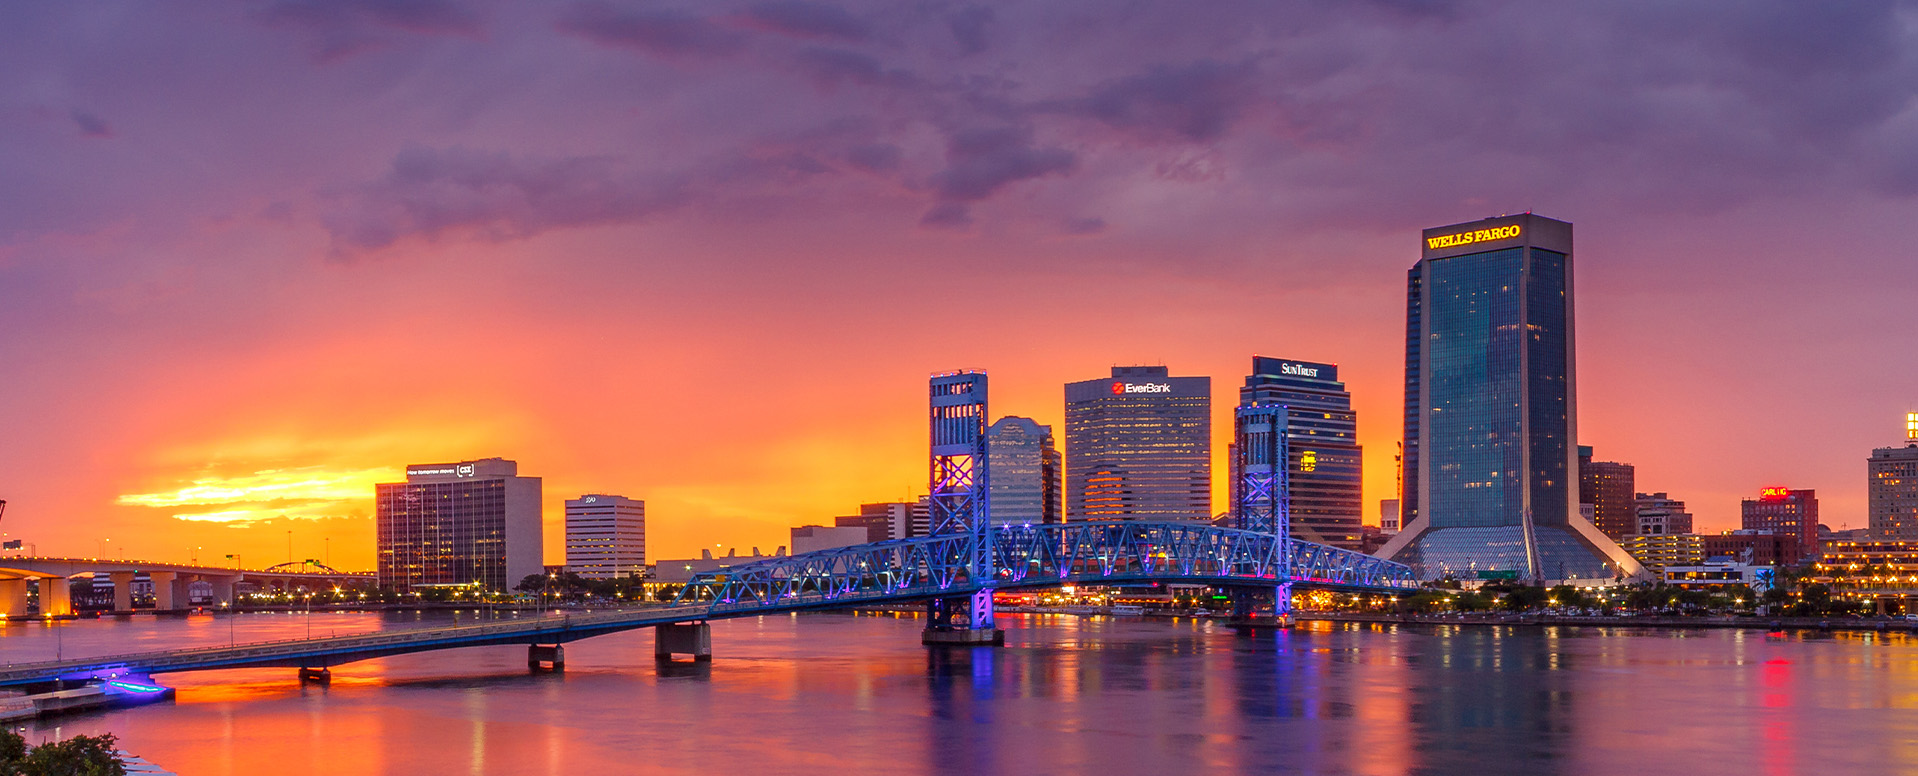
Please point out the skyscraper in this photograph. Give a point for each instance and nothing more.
(1139, 446)
(1320, 432)
(1611, 489)
(605, 536)
(1025, 472)
(1785, 512)
(1491, 421)
(472, 522)
(1892, 487)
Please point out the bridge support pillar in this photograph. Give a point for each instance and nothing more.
(316, 675)
(683, 638)
(56, 597)
(222, 590)
(540, 656)
(122, 591)
(165, 584)
(977, 631)
(13, 597)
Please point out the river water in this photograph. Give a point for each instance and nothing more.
(842, 694)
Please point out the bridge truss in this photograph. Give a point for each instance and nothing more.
(1027, 556)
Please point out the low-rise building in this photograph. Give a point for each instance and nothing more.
(813, 538)
(1660, 551)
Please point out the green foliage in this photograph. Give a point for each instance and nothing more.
(76, 756)
(1526, 597)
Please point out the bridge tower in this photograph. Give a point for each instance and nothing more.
(957, 506)
(1264, 504)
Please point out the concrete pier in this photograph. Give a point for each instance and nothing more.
(963, 637)
(683, 638)
(122, 591)
(542, 657)
(56, 597)
(13, 598)
(316, 675)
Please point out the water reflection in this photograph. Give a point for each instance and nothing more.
(841, 694)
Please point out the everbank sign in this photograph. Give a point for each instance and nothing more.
(1121, 389)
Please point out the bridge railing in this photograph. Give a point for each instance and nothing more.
(1039, 555)
(356, 642)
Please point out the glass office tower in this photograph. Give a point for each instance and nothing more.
(1491, 451)
(454, 524)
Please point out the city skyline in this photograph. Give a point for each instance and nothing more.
(253, 312)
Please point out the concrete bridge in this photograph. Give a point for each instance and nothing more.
(170, 582)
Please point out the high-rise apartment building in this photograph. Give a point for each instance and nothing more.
(1611, 489)
(466, 523)
(1490, 452)
(1323, 472)
(1660, 515)
(605, 536)
(1139, 446)
(1892, 487)
(1026, 473)
(1785, 512)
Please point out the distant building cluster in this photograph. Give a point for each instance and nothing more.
(1492, 483)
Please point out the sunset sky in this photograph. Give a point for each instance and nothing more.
(257, 256)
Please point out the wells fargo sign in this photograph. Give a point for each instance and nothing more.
(1474, 236)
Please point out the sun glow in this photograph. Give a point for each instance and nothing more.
(310, 492)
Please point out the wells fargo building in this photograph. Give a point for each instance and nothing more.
(1491, 429)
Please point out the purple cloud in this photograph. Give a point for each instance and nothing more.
(808, 20)
(1197, 102)
(91, 125)
(491, 196)
(345, 27)
(662, 33)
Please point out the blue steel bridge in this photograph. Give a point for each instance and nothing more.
(926, 568)
(1034, 556)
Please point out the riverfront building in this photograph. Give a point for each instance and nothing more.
(1319, 440)
(466, 523)
(605, 536)
(1660, 551)
(1026, 473)
(1611, 490)
(1139, 446)
(1785, 512)
(1491, 480)
(1892, 487)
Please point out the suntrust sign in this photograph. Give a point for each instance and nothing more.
(1300, 370)
(1474, 236)
(1121, 389)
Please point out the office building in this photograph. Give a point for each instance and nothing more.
(1491, 459)
(605, 536)
(1322, 458)
(1611, 490)
(1892, 488)
(1026, 473)
(1785, 512)
(1659, 514)
(813, 538)
(466, 523)
(888, 520)
(1756, 547)
(1139, 446)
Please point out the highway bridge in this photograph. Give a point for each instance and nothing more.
(930, 568)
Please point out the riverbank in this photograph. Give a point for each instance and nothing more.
(1750, 623)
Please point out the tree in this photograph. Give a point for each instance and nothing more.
(13, 749)
(76, 756)
(1526, 597)
(533, 583)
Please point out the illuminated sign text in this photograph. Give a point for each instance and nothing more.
(1295, 369)
(1474, 236)
(1774, 493)
(1120, 389)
